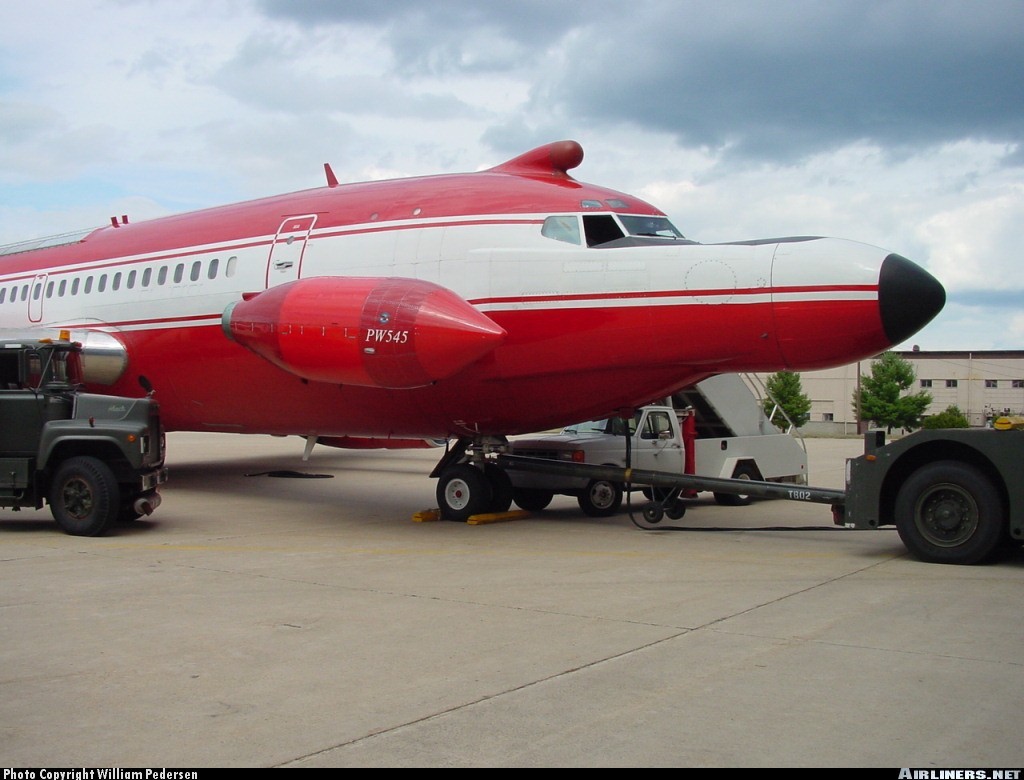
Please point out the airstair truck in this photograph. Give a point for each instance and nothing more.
(716, 429)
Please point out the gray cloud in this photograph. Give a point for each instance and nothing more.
(769, 81)
(779, 85)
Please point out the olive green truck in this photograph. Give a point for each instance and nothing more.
(95, 459)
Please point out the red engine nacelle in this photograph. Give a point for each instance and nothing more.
(368, 331)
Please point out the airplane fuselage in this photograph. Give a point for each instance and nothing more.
(498, 302)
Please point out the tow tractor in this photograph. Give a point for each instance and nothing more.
(954, 495)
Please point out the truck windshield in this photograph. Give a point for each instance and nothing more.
(613, 425)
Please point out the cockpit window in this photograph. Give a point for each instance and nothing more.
(562, 228)
(601, 228)
(649, 226)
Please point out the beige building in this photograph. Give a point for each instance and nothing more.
(982, 384)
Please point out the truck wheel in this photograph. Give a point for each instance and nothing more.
(949, 512)
(601, 498)
(501, 488)
(531, 499)
(84, 496)
(463, 491)
(742, 471)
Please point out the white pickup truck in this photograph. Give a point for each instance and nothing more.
(659, 441)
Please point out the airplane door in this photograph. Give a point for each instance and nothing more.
(35, 298)
(284, 263)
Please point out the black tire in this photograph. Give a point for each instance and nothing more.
(463, 491)
(84, 496)
(676, 510)
(532, 500)
(601, 498)
(950, 512)
(742, 471)
(501, 488)
(653, 513)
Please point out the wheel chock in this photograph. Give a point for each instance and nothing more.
(497, 517)
(431, 515)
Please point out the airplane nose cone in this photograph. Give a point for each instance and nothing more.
(908, 297)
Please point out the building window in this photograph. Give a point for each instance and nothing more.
(991, 383)
(950, 383)
(1018, 384)
(926, 383)
(828, 417)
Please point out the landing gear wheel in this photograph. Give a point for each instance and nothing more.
(742, 471)
(84, 496)
(653, 513)
(532, 500)
(463, 491)
(602, 498)
(501, 488)
(950, 512)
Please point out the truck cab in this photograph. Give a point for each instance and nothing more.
(94, 459)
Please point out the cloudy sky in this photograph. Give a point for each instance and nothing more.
(895, 123)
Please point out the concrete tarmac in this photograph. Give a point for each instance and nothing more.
(305, 620)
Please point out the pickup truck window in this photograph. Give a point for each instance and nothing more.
(655, 425)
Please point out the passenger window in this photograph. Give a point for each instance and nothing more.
(74, 285)
(230, 270)
(147, 277)
(212, 272)
(179, 272)
(563, 228)
(102, 284)
(115, 283)
(161, 277)
(49, 289)
(197, 266)
(131, 279)
(62, 288)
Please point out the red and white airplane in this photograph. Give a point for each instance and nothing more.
(466, 307)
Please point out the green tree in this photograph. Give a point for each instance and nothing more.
(784, 389)
(881, 394)
(952, 417)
